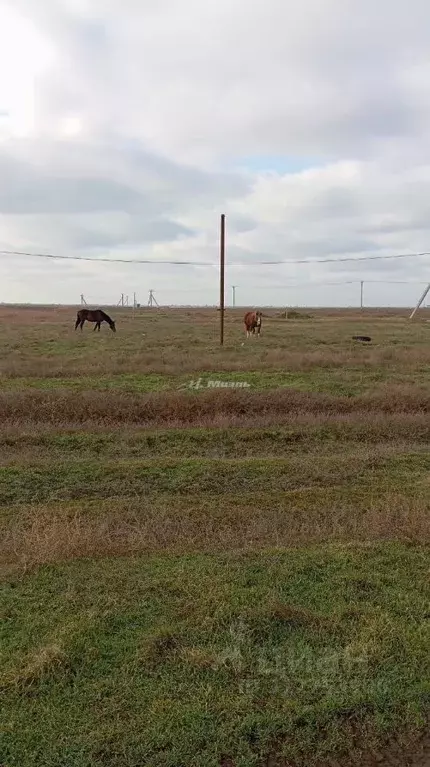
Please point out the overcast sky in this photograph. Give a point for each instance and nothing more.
(128, 126)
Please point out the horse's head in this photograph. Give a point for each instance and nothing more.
(112, 326)
(258, 317)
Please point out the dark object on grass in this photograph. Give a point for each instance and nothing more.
(94, 315)
(362, 338)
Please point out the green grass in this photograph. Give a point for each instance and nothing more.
(179, 661)
(213, 578)
(39, 483)
(305, 432)
(347, 381)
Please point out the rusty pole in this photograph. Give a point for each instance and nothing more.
(221, 278)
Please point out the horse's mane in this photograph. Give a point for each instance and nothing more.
(105, 316)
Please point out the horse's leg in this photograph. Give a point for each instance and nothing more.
(77, 323)
(95, 326)
(82, 324)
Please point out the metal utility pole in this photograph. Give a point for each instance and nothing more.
(221, 278)
(83, 302)
(420, 301)
(361, 293)
(151, 300)
(233, 287)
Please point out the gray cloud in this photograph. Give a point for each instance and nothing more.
(171, 95)
(23, 190)
(129, 231)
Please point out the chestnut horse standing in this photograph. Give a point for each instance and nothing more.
(252, 321)
(94, 315)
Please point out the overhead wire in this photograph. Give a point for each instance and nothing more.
(210, 263)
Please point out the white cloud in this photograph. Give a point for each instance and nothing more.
(127, 127)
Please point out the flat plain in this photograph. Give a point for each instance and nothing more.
(214, 576)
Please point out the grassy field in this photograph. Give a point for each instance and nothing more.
(214, 577)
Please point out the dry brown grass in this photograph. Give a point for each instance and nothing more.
(42, 663)
(379, 406)
(204, 407)
(42, 343)
(299, 428)
(35, 536)
(179, 361)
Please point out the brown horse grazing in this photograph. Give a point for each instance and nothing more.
(252, 321)
(94, 315)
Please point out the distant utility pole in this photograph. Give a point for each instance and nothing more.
(233, 287)
(221, 277)
(151, 300)
(361, 293)
(83, 302)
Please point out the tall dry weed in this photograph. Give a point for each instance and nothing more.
(192, 408)
(36, 536)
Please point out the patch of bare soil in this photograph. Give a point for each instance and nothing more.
(417, 754)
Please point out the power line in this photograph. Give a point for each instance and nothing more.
(211, 264)
(106, 260)
(343, 282)
(334, 260)
(398, 282)
(298, 285)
